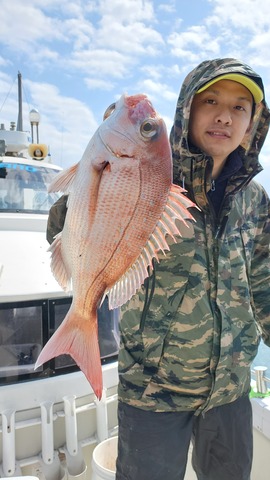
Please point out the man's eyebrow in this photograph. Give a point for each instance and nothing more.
(212, 89)
(245, 98)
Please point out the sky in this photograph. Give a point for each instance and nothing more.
(77, 57)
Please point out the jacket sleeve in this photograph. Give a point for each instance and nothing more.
(260, 269)
(56, 220)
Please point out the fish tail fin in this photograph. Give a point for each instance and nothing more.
(77, 337)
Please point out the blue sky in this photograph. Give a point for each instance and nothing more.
(77, 57)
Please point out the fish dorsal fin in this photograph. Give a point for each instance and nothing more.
(175, 209)
(63, 180)
(58, 267)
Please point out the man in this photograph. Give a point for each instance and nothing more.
(189, 337)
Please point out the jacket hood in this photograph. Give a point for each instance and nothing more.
(185, 161)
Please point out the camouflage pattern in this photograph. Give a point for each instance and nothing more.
(56, 220)
(189, 336)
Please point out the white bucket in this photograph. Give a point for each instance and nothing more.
(104, 460)
(22, 477)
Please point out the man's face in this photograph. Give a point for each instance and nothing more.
(220, 118)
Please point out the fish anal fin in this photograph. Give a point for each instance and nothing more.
(58, 266)
(77, 337)
(63, 180)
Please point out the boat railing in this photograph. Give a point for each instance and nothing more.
(262, 382)
(66, 425)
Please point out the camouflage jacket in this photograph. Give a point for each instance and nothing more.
(189, 336)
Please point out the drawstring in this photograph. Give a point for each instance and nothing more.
(213, 185)
(183, 182)
(182, 179)
(147, 300)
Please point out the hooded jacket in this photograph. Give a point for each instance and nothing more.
(188, 338)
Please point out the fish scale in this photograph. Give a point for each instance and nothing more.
(121, 206)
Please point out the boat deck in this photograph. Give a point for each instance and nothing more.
(63, 424)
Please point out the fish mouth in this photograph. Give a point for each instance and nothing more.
(112, 152)
(117, 155)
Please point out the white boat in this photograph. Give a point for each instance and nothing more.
(51, 422)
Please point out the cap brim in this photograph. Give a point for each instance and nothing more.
(247, 82)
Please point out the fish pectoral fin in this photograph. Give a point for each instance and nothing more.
(78, 337)
(63, 180)
(58, 266)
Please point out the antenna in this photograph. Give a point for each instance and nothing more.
(20, 118)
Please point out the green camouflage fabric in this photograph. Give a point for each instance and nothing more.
(56, 220)
(189, 336)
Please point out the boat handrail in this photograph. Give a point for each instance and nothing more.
(262, 382)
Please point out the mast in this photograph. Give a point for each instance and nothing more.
(20, 119)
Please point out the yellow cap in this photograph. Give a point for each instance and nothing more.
(252, 86)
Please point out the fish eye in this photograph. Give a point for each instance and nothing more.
(149, 128)
(109, 111)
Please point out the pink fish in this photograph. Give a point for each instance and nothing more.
(121, 206)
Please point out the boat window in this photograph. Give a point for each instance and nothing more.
(23, 188)
(108, 331)
(20, 338)
(25, 328)
(58, 311)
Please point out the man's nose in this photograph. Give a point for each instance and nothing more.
(224, 117)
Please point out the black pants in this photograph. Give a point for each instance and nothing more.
(154, 446)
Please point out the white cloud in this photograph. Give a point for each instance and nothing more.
(135, 38)
(193, 43)
(244, 26)
(81, 32)
(95, 50)
(102, 63)
(247, 15)
(67, 123)
(23, 24)
(3, 61)
(127, 11)
(157, 90)
(168, 7)
(95, 83)
(155, 72)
